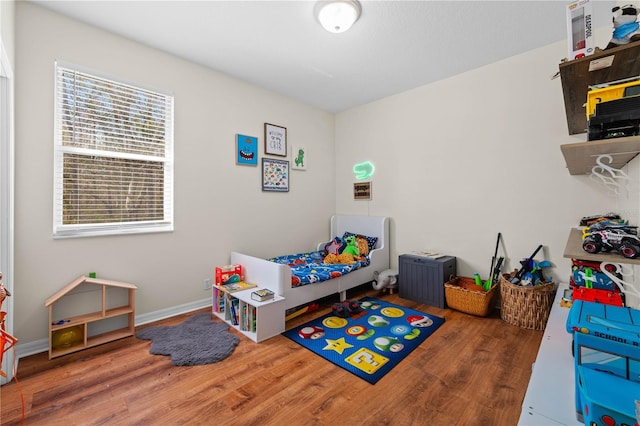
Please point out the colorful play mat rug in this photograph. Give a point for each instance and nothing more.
(370, 343)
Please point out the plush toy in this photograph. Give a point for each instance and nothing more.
(363, 246)
(342, 258)
(625, 26)
(385, 279)
(351, 247)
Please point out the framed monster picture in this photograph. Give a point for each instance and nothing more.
(246, 150)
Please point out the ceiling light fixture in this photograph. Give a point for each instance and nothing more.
(337, 16)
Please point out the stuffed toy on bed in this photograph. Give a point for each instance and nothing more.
(363, 246)
(342, 259)
(351, 247)
(356, 249)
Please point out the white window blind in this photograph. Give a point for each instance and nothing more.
(113, 156)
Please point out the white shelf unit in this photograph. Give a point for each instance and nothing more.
(258, 321)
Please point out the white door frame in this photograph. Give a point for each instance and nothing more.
(7, 201)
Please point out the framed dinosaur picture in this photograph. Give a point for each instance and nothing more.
(299, 158)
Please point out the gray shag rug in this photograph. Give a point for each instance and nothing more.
(197, 341)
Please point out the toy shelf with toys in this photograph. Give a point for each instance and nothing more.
(232, 303)
(88, 312)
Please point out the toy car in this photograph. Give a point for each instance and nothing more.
(590, 220)
(622, 238)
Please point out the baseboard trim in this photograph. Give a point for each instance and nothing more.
(42, 345)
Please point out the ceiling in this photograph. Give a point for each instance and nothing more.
(395, 46)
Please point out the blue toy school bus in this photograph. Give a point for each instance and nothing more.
(606, 349)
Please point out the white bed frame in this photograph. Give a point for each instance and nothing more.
(277, 277)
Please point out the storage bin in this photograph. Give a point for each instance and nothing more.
(472, 302)
(422, 279)
(526, 307)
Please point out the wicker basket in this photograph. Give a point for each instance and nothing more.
(526, 307)
(472, 302)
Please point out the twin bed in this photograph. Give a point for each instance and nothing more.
(305, 283)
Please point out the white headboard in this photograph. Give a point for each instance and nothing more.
(372, 226)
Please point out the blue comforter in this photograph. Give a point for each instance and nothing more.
(307, 268)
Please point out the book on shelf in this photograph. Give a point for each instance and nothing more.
(237, 286)
(233, 311)
(262, 294)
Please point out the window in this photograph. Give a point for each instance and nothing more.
(625, 367)
(113, 156)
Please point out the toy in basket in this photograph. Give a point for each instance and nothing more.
(463, 295)
(526, 306)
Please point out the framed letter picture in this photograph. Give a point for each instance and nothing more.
(246, 150)
(275, 175)
(362, 191)
(275, 140)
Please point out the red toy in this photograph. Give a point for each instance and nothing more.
(589, 283)
(228, 274)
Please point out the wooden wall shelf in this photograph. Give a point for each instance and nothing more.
(579, 74)
(581, 157)
(573, 250)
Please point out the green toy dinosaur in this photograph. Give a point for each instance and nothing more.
(351, 247)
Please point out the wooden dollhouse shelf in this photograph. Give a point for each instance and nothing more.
(581, 157)
(573, 250)
(81, 327)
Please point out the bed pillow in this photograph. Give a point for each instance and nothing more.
(371, 241)
(335, 246)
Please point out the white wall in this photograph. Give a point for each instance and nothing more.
(219, 207)
(462, 159)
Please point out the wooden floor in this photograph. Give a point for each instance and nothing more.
(471, 371)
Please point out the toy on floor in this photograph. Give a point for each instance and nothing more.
(385, 279)
(346, 309)
(625, 26)
(296, 313)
